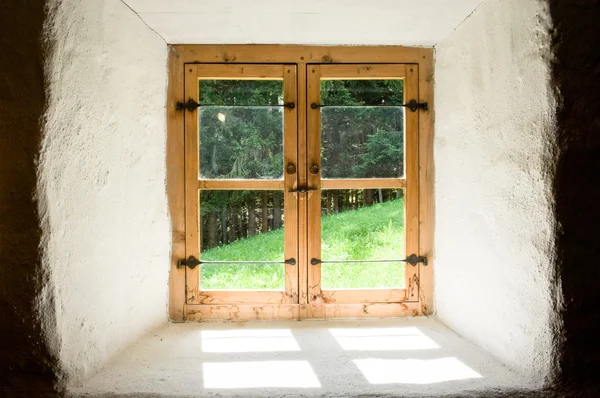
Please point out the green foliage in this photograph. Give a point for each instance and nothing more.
(375, 232)
(354, 129)
(245, 141)
(241, 136)
(382, 156)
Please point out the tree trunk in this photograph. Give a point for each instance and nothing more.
(380, 195)
(265, 212)
(212, 229)
(202, 234)
(336, 203)
(328, 202)
(213, 163)
(233, 225)
(277, 210)
(251, 216)
(224, 220)
(348, 200)
(369, 197)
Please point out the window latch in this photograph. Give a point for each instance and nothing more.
(413, 260)
(192, 262)
(302, 190)
(192, 105)
(413, 105)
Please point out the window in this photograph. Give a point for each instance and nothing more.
(301, 187)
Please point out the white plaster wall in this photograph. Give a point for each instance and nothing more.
(340, 22)
(493, 156)
(102, 183)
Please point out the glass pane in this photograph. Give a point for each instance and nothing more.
(362, 131)
(241, 129)
(241, 226)
(362, 225)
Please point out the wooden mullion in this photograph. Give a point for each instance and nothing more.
(192, 231)
(360, 310)
(362, 71)
(314, 181)
(264, 185)
(290, 203)
(250, 312)
(426, 177)
(346, 296)
(411, 193)
(226, 297)
(363, 183)
(302, 159)
(239, 72)
(276, 53)
(176, 187)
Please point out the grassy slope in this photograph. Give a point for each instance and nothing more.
(374, 232)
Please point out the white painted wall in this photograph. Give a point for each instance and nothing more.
(102, 183)
(330, 22)
(493, 159)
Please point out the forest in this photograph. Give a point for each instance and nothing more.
(241, 136)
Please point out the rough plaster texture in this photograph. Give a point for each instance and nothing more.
(576, 74)
(175, 360)
(25, 362)
(342, 22)
(28, 367)
(495, 158)
(106, 233)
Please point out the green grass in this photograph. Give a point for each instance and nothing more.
(375, 232)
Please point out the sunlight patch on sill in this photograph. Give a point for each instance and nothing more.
(249, 340)
(414, 371)
(259, 374)
(382, 339)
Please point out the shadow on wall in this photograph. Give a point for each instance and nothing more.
(576, 75)
(25, 363)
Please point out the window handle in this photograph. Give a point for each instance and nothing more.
(302, 190)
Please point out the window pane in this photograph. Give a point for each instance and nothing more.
(362, 131)
(241, 226)
(241, 92)
(362, 225)
(241, 129)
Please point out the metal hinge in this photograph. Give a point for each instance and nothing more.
(413, 105)
(413, 260)
(191, 262)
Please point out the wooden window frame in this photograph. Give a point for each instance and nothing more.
(195, 182)
(408, 73)
(180, 55)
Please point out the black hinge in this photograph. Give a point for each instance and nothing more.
(190, 105)
(191, 262)
(413, 105)
(413, 260)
